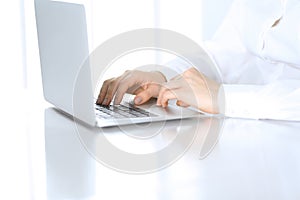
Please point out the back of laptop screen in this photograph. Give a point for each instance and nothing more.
(63, 47)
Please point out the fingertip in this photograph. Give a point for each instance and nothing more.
(165, 104)
(100, 97)
(181, 104)
(117, 101)
(138, 100)
(105, 102)
(142, 97)
(158, 103)
(159, 98)
(98, 102)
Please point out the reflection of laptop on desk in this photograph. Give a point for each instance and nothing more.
(63, 46)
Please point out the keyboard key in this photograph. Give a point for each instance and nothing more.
(120, 111)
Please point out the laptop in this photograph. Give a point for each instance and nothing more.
(63, 47)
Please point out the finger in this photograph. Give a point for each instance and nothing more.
(138, 90)
(182, 104)
(103, 91)
(166, 96)
(135, 89)
(172, 85)
(160, 95)
(124, 85)
(111, 90)
(120, 93)
(144, 95)
(128, 82)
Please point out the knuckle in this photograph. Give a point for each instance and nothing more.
(107, 82)
(189, 72)
(126, 72)
(186, 75)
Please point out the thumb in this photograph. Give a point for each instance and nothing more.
(142, 97)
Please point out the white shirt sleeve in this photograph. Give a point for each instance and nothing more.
(259, 62)
(279, 100)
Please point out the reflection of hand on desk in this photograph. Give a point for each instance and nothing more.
(260, 155)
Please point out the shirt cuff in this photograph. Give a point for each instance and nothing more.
(239, 101)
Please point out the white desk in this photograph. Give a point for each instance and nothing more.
(251, 160)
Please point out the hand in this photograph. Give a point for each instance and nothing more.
(191, 88)
(144, 84)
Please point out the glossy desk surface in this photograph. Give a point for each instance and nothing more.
(205, 158)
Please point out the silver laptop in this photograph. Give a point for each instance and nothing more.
(63, 47)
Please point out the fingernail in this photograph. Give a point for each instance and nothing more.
(138, 100)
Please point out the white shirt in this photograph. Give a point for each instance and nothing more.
(260, 62)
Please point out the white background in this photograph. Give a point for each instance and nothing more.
(20, 72)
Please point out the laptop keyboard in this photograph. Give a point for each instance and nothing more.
(120, 111)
